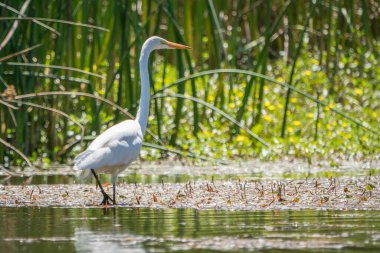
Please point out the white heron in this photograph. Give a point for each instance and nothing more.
(113, 150)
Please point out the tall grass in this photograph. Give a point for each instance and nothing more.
(80, 51)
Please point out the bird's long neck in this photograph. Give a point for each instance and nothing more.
(143, 112)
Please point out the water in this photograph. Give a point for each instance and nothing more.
(186, 230)
(171, 173)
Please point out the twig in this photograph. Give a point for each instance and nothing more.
(14, 26)
(57, 21)
(8, 105)
(55, 67)
(19, 52)
(84, 94)
(10, 173)
(35, 21)
(17, 151)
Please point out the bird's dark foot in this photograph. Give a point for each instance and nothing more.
(106, 200)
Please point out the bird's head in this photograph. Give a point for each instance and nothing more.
(156, 42)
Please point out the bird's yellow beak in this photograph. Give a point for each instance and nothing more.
(177, 46)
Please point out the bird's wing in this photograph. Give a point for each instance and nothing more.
(117, 146)
(124, 130)
(82, 155)
(116, 153)
(93, 159)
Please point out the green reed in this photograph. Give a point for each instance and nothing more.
(92, 48)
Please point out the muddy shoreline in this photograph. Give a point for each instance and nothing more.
(358, 193)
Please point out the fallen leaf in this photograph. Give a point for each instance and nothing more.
(106, 184)
(370, 187)
(324, 199)
(138, 199)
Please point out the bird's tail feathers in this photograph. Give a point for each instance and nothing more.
(82, 155)
(83, 173)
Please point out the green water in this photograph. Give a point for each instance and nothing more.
(186, 230)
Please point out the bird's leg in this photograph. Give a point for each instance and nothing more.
(105, 195)
(114, 189)
(114, 194)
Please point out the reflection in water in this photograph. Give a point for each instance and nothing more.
(186, 230)
(88, 241)
(171, 173)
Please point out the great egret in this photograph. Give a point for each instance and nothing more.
(113, 150)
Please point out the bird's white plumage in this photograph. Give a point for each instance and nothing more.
(112, 151)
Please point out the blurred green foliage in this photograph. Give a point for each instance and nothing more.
(327, 49)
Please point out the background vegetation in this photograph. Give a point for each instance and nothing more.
(264, 78)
